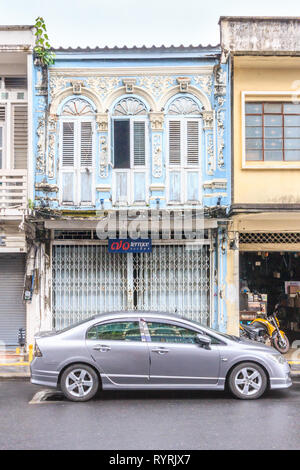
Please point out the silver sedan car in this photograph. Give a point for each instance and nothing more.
(151, 350)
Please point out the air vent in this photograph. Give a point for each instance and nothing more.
(174, 142)
(2, 113)
(139, 143)
(86, 144)
(13, 83)
(68, 144)
(192, 142)
(268, 237)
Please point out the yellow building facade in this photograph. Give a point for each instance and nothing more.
(264, 227)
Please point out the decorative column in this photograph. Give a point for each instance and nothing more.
(52, 132)
(157, 124)
(102, 132)
(208, 127)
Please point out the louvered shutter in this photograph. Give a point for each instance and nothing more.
(12, 83)
(2, 113)
(1, 146)
(20, 135)
(68, 144)
(174, 142)
(2, 120)
(139, 143)
(192, 142)
(86, 144)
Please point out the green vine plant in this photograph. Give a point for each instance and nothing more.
(42, 46)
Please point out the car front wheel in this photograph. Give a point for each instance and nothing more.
(247, 381)
(79, 382)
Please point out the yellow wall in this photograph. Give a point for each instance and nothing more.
(280, 185)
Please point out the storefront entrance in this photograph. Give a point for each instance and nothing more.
(88, 280)
(12, 306)
(268, 278)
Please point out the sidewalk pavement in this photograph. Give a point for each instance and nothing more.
(13, 366)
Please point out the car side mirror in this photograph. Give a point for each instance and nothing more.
(203, 341)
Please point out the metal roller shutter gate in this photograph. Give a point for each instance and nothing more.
(87, 280)
(12, 307)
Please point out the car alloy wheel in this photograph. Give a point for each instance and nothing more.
(248, 381)
(79, 383)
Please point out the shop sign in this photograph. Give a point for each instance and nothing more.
(127, 245)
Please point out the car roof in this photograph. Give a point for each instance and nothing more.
(140, 313)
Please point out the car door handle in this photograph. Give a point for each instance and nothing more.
(102, 348)
(160, 350)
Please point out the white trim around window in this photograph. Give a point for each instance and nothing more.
(125, 179)
(263, 96)
(77, 172)
(177, 175)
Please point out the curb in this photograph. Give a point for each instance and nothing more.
(19, 377)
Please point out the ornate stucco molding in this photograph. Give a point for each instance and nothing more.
(208, 119)
(52, 130)
(40, 158)
(103, 148)
(157, 121)
(46, 187)
(211, 158)
(157, 85)
(205, 82)
(157, 155)
(102, 122)
(129, 84)
(219, 183)
(77, 86)
(51, 156)
(220, 81)
(183, 83)
(103, 86)
(220, 136)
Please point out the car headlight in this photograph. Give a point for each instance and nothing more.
(278, 358)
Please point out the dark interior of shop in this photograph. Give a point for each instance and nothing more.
(269, 278)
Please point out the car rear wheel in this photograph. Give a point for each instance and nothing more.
(79, 382)
(247, 381)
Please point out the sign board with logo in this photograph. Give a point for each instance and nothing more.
(127, 245)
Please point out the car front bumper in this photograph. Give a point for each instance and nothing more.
(277, 383)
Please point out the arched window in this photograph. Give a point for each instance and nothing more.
(77, 121)
(184, 145)
(130, 130)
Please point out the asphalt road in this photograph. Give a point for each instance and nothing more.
(149, 420)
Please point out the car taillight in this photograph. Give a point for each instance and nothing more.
(37, 351)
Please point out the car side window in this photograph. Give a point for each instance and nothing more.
(116, 331)
(168, 333)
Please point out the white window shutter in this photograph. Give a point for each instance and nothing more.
(86, 144)
(20, 136)
(139, 151)
(68, 144)
(174, 142)
(192, 142)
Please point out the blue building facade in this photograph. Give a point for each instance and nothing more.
(132, 143)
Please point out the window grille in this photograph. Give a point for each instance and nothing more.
(269, 237)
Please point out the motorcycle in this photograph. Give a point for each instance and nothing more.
(266, 329)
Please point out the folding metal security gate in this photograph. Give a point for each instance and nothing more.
(87, 280)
